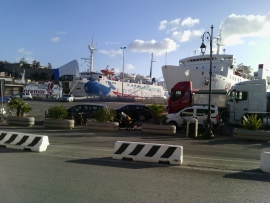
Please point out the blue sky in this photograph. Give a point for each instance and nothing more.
(59, 31)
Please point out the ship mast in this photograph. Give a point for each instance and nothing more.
(219, 41)
(151, 66)
(91, 48)
(91, 59)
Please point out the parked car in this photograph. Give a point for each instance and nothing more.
(23, 95)
(5, 99)
(87, 110)
(198, 112)
(67, 97)
(135, 111)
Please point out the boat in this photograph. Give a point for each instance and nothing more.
(106, 83)
(224, 71)
(107, 71)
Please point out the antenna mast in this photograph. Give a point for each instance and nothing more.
(219, 41)
(91, 59)
(151, 66)
(92, 49)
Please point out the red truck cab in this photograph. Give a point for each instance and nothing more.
(180, 97)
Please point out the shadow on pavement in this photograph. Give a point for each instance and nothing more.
(109, 162)
(230, 140)
(3, 149)
(252, 175)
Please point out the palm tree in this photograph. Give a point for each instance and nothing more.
(20, 106)
(156, 111)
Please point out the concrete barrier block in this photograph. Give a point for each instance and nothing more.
(23, 141)
(265, 162)
(160, 129)
(148, 152)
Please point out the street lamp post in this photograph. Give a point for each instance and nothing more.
(206, 35)
(123, 48)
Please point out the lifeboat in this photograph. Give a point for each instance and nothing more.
(107, 71)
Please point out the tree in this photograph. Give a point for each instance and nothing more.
(43, 76)
(156, 111)
(23, 61)
(37, 64)
(35, 76)
(20, 106)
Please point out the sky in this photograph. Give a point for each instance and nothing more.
(59, 31)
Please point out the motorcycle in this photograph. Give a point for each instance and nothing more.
(125, 121)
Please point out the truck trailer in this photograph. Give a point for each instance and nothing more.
(182, 95)
(247, 98)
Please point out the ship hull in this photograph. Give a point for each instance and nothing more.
(107, 88)
(199, 78)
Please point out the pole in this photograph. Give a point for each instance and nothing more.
(1, 82)
(123, 71)
(209, 132)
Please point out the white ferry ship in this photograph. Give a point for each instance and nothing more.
(106, 83)
(225, 72)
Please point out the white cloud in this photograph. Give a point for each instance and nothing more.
(22, 50)
(162, 24)
(237, 27)
(113, 43)
(175, 24)
(116, 70)
(190, 22)
(186, 35)
(61, 33)
(111, 52)
(55, 39)
(152, 46)
(129, 67)
(252, 43)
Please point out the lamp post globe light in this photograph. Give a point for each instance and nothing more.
(206, 36)
(123, 48)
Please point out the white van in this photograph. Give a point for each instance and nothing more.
(24, 95)
(198, 112)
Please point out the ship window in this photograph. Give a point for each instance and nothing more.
(202, 73)
(214, 66)
(203, 67)
(196, 67)
(197, 59)
(221, 69)
(204, 59)
(200, 59)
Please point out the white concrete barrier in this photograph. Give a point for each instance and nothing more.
(24, 141)
(265, 162)
(148, 152)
